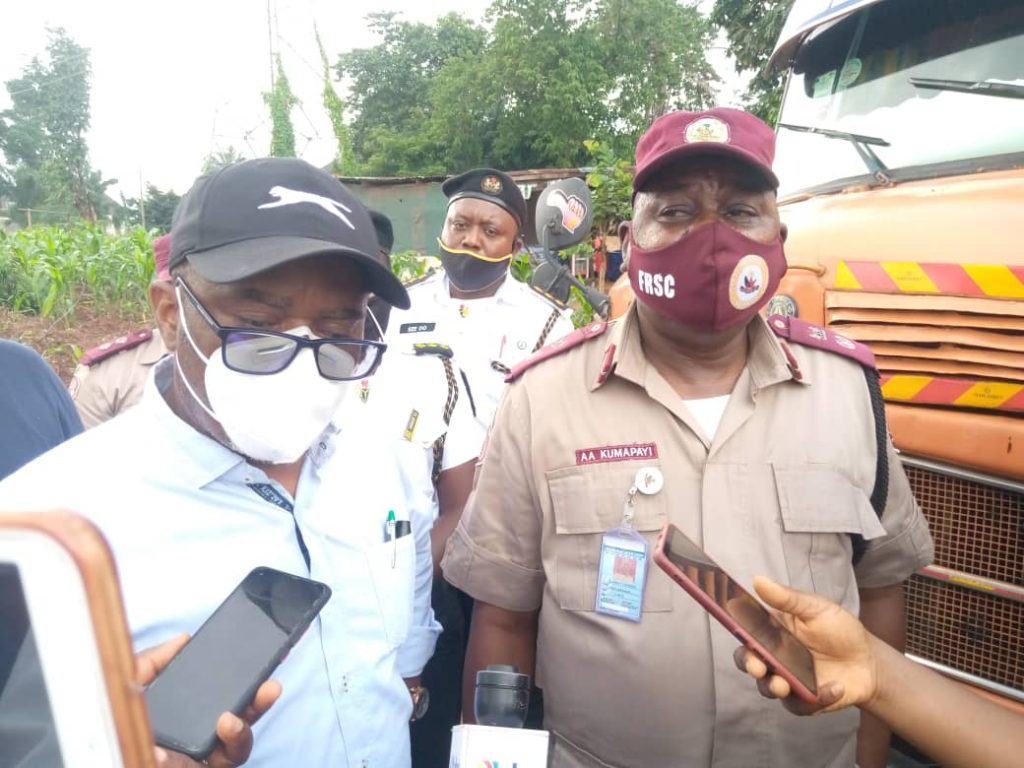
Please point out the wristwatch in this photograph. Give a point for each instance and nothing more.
(420, 702)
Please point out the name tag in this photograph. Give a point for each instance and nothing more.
(416, 327)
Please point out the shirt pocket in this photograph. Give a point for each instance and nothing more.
(587, 501)
(393, 573)
(820, 509)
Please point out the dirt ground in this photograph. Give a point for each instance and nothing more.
(61, 340)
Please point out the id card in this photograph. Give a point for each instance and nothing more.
(621, 574)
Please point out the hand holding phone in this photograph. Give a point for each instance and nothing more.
(229, 657)
(737, 610)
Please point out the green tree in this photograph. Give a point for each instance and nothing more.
(221, 157)
(334, 106)
(667, 71)
(280, 101)
(390, 90)
(527, 88)
(42, 135)
(753, 27)
(159, 208)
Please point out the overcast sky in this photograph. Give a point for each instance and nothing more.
(174, 80)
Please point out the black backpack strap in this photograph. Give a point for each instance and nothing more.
(880, 493)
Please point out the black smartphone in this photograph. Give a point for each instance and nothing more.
(229, 657)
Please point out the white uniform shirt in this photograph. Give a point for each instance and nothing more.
(503, 329)
(185, 528)
(404, 402)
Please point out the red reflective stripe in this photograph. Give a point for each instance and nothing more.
(952, 278)
(942, 391)
(872, 277)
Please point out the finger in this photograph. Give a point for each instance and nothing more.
(830, 693)
(165, 759)
(779, 686)
(750, 663)
(150, 662)
(264, 699)
(803, 605)
(765, 689)
(235, 742)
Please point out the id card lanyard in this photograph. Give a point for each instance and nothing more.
(622, 567)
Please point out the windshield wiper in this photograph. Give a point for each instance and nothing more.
(983, 87)
(860, 142)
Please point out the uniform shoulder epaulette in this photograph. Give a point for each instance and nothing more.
(801, 332)
(423, 278)
(574, 339)
(547, 296)
(432, 348)
(112, 347)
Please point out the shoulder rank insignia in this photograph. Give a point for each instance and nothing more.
(432, 348)
(422, 279)
(547, 296)
(810, 335)
(112, 347)
(574, 339)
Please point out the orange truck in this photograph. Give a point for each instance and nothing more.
(901, 154)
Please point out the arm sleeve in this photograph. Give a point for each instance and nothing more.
(495, 553)
(424, 628)
(907, 544)
(89, 398)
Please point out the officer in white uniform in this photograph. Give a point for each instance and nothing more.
(421, 400)
(489, 320)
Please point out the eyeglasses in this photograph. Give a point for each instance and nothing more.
(261, 353)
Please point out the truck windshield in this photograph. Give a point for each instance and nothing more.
(933, 81)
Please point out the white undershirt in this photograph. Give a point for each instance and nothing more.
(708, 412)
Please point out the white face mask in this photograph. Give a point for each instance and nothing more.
(272, 418)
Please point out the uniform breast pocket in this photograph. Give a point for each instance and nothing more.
(393, 573)
(820, 509)
(586, 502)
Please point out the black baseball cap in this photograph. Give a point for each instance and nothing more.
(490, 185)
(246, 218)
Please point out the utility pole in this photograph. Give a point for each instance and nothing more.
(28, 214)
(142, 200)
(270, 44)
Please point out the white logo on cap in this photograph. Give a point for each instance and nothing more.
(287, 196)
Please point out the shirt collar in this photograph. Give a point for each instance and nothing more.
(153, 350)
(195, 459)
(767, 360)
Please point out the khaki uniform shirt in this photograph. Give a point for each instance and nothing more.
(786, 479)
(105, 388)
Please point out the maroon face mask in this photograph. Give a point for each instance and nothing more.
(712, 279)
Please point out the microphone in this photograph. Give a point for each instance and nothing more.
(500, 703)
(563, 218)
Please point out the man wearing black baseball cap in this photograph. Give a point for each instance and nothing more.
(233, 459)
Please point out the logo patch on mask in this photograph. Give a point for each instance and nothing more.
(287, 196)
(748, 282)
(707, 129)
(491, 185)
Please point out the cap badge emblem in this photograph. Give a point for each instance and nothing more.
(707, 129)
(491, 185)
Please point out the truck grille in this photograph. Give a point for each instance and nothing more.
(977, 530)
(972, 339)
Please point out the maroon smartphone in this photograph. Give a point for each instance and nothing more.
(737, 610)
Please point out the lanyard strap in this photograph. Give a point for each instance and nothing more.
(267, 492)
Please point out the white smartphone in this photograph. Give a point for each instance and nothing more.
(67, 691)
